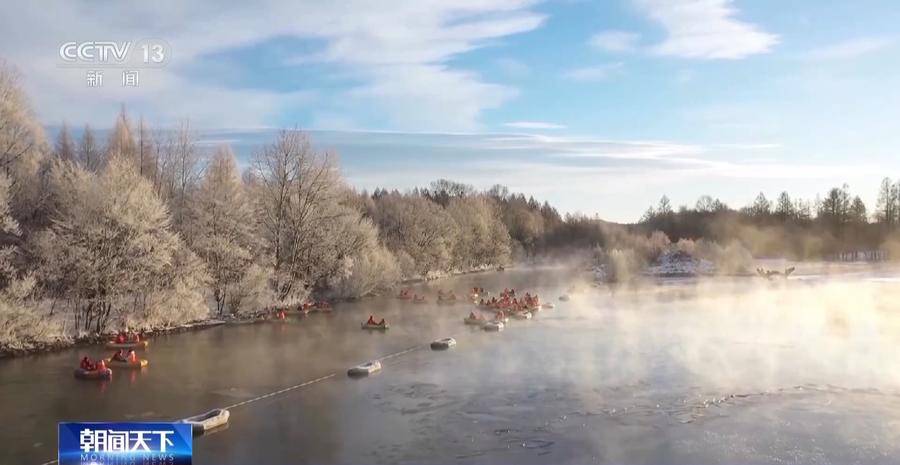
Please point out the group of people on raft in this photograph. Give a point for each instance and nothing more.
(306, 307)
(406, 294)
(446, 296)
(121, 355)
(125, 337)
(509, 301)
(89, 365)
(372, 322)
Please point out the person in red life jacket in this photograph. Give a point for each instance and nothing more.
(120, 356)
(87, 364)
(472, 316)
(381, 323)
(101, 365)
(371, 320)
(120, 338)
(132, 357)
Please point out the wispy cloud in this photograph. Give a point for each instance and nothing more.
(615, 41)
(700, 29)
(851, 48)
(533, 125)
(378, 43)
(594, 73)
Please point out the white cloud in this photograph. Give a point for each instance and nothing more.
(533, 125)
(705, 29)
(615, 41)
(851, 48)
(378, 43)
(431, 97)
(593, 73)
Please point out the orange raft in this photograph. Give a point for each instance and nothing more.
(81, 373)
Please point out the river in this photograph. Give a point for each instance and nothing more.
(718, 370)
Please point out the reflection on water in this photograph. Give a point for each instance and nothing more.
(730, 370)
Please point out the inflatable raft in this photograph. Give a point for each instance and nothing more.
(127, 345)
(493, 326)
(138, 364)
(443, 344)
(207, 421)
(375, 327)
(473, 321)
(365, 369)
(81, 373)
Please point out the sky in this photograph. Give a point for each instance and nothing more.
(598, 107)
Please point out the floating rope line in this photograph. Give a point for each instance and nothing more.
(298, 386)
(280, 391)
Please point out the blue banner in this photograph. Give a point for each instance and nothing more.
(125, 443)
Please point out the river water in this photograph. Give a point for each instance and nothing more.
(719, 370)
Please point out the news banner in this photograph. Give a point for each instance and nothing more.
(125, 444)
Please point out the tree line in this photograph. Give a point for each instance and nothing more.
(149, 228)
(831, 224)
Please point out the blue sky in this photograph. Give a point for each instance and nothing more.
(599, 107)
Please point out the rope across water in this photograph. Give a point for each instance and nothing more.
(300, 385)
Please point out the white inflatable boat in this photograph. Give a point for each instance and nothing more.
(207, 421)
(474, 321)
(443, 344)
(365, 369)
(493, 326)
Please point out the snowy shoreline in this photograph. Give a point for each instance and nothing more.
(257, 317)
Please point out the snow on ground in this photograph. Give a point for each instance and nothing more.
(679, 263)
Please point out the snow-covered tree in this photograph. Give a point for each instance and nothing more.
(307, 233)
(65, 146)
(221, 227)
(110, 250)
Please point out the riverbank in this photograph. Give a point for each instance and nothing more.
(100, 339)
(256, 317)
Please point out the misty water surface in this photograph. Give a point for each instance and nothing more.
(721, 370)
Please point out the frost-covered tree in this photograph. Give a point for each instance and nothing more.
(416, 227)
(20, 133)
(221, 228)
(65, 146)
(482, 237)
(89, 155)
(370, 269)
(22, 326)
(121, 141)
(307, 233)
(110, 250)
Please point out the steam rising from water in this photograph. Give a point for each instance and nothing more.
(745, 333)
